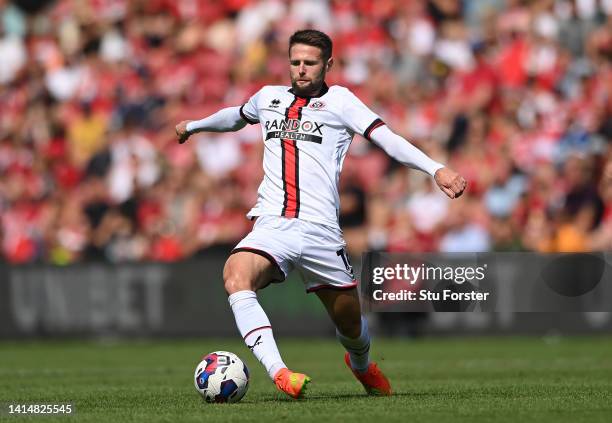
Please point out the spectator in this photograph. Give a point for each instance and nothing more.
(513, 94)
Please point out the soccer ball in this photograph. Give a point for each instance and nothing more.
(221, 377)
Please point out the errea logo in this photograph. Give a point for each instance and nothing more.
(317, 105)
(274, 103)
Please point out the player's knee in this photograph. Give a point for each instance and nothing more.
(234, 280)
(234, 284)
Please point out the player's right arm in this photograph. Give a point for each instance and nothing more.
(225, 120)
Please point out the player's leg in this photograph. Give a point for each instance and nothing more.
(243, 275)
(344, 308)
(326, 270)
(351, 328)
(246, 271)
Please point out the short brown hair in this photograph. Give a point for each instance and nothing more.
(314, 38)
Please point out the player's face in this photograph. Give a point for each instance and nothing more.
(307, 69)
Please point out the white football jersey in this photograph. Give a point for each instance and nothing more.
(305, 140)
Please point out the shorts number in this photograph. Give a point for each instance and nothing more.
(346, 261)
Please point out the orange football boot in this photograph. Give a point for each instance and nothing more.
(291, 383)
(373, 380)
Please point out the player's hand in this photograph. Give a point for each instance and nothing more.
(450, 182)
(181, 131)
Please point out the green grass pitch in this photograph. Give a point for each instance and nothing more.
(442, 380)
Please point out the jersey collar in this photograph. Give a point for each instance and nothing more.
(323, 91)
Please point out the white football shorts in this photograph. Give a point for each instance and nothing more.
(317, 251)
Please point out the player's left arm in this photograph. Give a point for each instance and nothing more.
(361, 120)
(449, 181)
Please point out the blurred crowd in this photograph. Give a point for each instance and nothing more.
(515, 95)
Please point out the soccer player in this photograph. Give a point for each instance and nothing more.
(307, 129)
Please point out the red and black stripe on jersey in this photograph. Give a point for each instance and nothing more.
(373, 126)
(245, 117)
(291, 162)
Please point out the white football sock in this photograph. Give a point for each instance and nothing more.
(256, 330)
(358, 348)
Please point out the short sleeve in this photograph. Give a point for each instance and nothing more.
(358, 117)
(249, 110)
